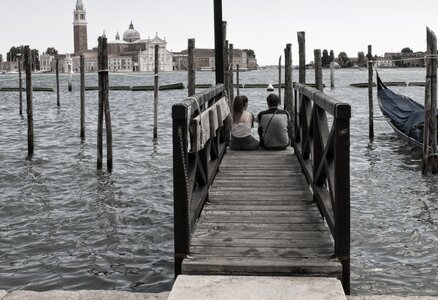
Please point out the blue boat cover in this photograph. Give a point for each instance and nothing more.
(403, 112)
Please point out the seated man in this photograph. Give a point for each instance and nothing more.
(273, 125)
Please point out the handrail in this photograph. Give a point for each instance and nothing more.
(324, 154)
(194, 167)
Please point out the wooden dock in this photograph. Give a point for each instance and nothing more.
(268, 213)
(260, 219)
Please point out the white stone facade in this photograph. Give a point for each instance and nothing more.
(46, 62)
(146, 58)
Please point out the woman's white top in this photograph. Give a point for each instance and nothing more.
(243, 128)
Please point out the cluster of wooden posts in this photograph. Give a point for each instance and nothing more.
(104, 106)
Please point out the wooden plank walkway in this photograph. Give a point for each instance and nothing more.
(260, 220)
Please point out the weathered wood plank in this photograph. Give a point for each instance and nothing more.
(261, 227)
(249, 206)
(262, 220)
(254, 242)
(266, 234)
(207, 265)
(261, 252)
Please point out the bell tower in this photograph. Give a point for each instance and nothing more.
(80, 28)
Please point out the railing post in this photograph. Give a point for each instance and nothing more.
(180, 185)
(342, 190)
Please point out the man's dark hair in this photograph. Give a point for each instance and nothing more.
(273, 100)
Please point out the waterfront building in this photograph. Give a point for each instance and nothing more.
(205, 60)
(46, 62)
(146, 58)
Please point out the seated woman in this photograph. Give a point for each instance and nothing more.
(242, 123)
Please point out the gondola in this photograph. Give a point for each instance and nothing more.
(404, 115)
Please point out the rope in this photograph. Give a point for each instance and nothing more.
(101, 71)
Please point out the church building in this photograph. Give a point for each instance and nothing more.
(126, 55)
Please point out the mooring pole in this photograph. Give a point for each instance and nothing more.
(429, 131)
(231, 72)
(237, 79)
(191, 88)
(226, 62)
(433, 100)
(20, 84)
(288, 91)
(28, 69)
(156, 93)
(70, 73)
(57, 82)
(318, 70)
(104, 109)
(279, 80)
(370, 95)
(219, 41)
(302, 56)
(332, 74)
(82, 66)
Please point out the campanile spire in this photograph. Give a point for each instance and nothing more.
(80, 28)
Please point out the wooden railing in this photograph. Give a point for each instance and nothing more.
(200, 137)
(323, 150)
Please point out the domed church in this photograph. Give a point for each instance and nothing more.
(131, 35)
(129, 54)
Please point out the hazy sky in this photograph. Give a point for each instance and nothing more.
(265, 26)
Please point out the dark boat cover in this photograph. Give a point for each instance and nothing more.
(403, 112)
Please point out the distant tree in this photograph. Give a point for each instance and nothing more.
(344, 61)
(325, 59)
(250, 53)
(52, 51)
(361, 59)
(407, 50)
(35, 59)
(12, 54)
(332, 56)
(1, 58)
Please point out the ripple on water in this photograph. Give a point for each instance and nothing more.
(66, 226)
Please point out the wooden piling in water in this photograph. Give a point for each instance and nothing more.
(156, 93)
(20, 85)
(370, 95)
(279, 80)
(433, 106)
(57, 83)
(104, 109)
(226, 65)
(82, 67)
(191, 86)
(237, 79)
(28, 70)
(430, 124)
(288, 88)
(332, 74)
(219, 41)
(70, 73)
(302, 56)
(318, 70)
(231, 68)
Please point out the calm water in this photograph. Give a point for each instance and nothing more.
(66, 226)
